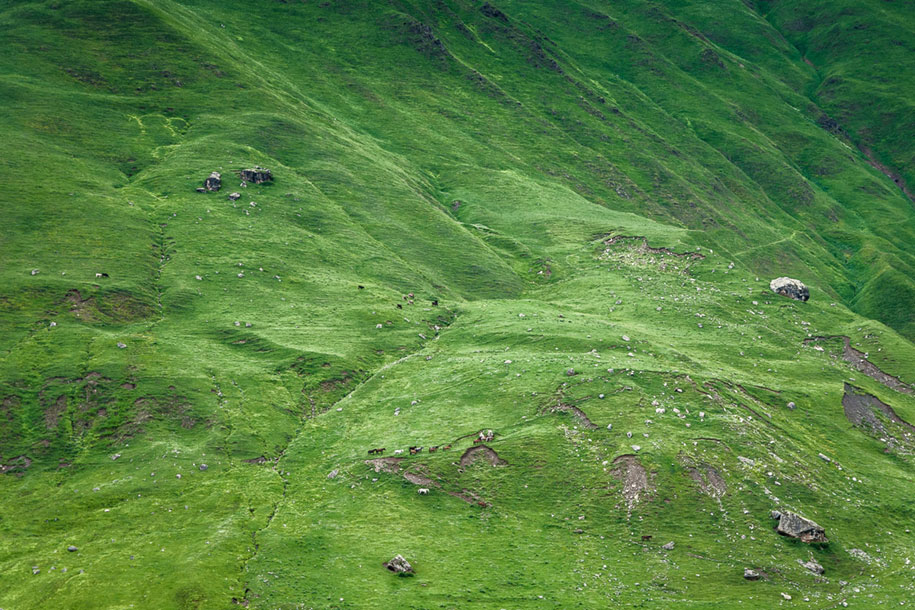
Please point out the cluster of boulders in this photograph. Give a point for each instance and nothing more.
(256, 175)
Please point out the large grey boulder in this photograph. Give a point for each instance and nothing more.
(812, 565)
(399, 565)
(791, 288)
(213, 182)
(750, 574)
(795, 526)
(257, 175)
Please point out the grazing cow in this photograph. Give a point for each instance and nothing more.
(483, 504)
(433, 448)
(646, 538)
(374, 451)
(415, 450)
(399, 306)
(435, 303)
(477, 440)
(446, 447)
(361, 287)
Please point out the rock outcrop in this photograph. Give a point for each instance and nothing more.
(812, 565)
(257, 175)
(213, 182)
(793, 289)
(399, 565)
(795, 526)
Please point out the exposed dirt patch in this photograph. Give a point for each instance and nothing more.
(634, 251)
(389, 464)
(582, 417)
(862, 409)
(116, 307)
(54, 411)
(888, 172)
(706, 477)
(173, 407)
(84, 309)
(8, 408)
(16, 465)
(858, 360)
(481, 452)
(418, 479)
(634, 477)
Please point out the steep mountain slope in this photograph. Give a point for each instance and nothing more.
(553, 220)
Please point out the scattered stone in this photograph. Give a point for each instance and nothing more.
(234, 196)
(791, 288)
(795, 526)
(786, 597)
(333, 474)
(812, 565)
(669, 546)
(115, 456)
(750, 574)
(791, 406)
(203, 467)
(258, 175)
(571, 373)
(399, 565)
(72, 548)
(213, 182)
(823, 457)
(34, 271)
(200, 189)
(121, 345)
(35, 570)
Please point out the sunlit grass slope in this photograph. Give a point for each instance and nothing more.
(552, 220)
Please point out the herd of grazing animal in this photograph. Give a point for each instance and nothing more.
(407, 297)
(486, 435)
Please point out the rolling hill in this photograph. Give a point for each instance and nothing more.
(537, 236)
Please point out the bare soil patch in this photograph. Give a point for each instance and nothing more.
(858, 360)
(481, 452)
(634, 477)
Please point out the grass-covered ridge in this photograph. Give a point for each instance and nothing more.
(482, 156)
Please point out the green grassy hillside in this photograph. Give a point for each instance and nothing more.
(553, 220)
